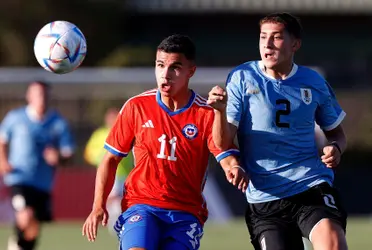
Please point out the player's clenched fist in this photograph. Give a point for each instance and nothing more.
(90, 226)
(217, 98)
(331, 156)
(237, 176)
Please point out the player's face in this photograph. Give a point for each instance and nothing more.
(37, 96)
(173, 72)
(277, 46)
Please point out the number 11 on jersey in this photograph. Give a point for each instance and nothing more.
(163, 142)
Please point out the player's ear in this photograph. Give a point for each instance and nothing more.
(296, 45)
(192, 70)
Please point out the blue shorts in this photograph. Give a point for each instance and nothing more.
(154, 228)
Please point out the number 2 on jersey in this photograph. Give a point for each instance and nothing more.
(163, 142)
(281, 112)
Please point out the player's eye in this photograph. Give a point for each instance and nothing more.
(175, 67)
(160, 65)
(278, 38)
(262, 37)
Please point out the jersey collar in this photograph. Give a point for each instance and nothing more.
(261, 66)
(31, 114)
(170, 112)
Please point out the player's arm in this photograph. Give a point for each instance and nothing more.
(228, 107)
(228, 160)
(223, 131)
(118, 143)
(4, 163)
(105, 179)
(5, 134)
(234, 173)
(329, 116)
(337, 138)
(62, 154)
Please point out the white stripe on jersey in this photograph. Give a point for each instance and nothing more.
(146, 93)
(115, 149)
(201, 101)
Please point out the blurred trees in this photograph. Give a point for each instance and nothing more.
(103, 23)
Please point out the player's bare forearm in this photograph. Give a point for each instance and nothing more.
(229, 162)
(222, 134)
(3, 152)
(235, 174)
(337, 135)
(105, 179)
(4, 163)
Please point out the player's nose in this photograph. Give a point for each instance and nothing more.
(166, 74)
(268, 43)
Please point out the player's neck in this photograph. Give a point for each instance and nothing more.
(177, 102)
(37, 114)
(280, 72)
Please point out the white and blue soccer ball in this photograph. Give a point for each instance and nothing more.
(60, 47)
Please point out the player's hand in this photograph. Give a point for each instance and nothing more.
(51, 156)
(237, 177)
(331, 156)
(217, 98)
(90, 226)
(5, 168)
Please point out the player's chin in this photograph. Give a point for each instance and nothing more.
(166, 93)
(270, 63)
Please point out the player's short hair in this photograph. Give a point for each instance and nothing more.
(291, 23)
(178, 44)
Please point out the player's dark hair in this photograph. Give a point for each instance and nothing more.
(178, 44)
(291, 23)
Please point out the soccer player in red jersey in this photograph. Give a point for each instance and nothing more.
(170, 132)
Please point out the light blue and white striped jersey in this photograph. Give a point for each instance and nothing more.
(27, 138)
(275, 120)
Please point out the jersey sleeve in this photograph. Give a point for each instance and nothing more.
(6, 127)
(329, 113)
(235, 98)
(121, 136)
(66, 141)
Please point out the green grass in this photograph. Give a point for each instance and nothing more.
(234, 235)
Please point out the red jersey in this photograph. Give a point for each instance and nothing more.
(171, 151)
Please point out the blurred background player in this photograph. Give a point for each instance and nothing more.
(273, 106)
(170, 130)
(33, 140)
(94, 153)
(6, 210)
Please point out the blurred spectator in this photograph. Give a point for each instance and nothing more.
(33, 140)
(93, 154)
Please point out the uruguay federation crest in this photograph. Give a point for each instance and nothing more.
(190, 131)
(306, 96)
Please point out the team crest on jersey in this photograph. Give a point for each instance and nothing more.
(306, 96)
(135, 218)
(190, 131)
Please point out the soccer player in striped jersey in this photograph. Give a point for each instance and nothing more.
(170, 132)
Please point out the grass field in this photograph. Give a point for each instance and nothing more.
(232, 236)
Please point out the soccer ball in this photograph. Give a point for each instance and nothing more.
(60, 47)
